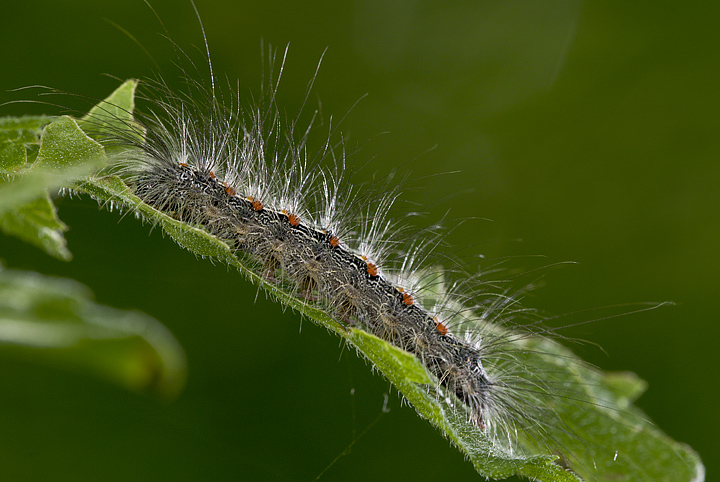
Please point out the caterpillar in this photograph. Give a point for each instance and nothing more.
(242, 177)
(246, 179)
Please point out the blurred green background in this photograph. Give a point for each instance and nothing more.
(587, 132)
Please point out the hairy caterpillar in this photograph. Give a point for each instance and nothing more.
(151, 189)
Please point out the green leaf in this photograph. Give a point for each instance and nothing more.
(26, 210)
(54, 321)
(66, 154)
(113, 114)
(64, 145)
(610, 440)
(37, 223)
(18, 137)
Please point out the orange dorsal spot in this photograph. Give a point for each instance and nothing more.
(364, 258)
(257, 205)
(293, 219)
(407, 299)
(442, 329)
(211, 174)
(334, 241)
(372, 269)
(230, 190)
(183, 164)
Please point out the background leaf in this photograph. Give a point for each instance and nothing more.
(54, 321)
(37, 223)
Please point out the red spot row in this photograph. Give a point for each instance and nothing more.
(294, 220)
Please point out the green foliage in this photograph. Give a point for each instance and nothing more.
(55, 322)
(36, 222)
(610, 440)
(59, 153)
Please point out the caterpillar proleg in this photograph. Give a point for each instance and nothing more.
(244, 175)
